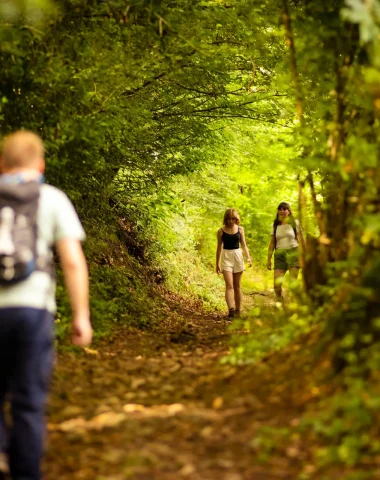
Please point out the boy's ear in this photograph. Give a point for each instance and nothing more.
(41, 166)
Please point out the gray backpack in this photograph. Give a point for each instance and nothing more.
(18, 231)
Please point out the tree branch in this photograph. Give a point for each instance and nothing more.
(129, 93)
(293, 62)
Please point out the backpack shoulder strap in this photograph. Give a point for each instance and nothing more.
(274, 234)
(293, 223)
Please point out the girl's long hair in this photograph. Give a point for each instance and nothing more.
(231, 212)
(277, 220)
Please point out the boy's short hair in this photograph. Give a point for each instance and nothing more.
(22, 149)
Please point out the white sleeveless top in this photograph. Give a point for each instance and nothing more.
(285, 237)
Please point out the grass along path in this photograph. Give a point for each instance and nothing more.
(149, 405)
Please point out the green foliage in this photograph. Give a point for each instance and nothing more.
(267, 440)
(157, 116)
(347, 422)
(117, 295)
(120, 290)
(271, 331)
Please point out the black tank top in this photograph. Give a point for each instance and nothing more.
(231, 241)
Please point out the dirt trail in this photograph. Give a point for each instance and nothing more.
(160, 405)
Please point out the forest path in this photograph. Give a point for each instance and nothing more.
(149, 405)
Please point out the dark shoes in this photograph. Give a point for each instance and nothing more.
(232, 313)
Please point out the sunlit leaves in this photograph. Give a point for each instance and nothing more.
(367, 15)
(32, 12)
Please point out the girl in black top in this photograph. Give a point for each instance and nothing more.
(230, 237)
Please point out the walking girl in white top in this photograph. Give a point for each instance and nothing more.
(230, 237)
(285, 238)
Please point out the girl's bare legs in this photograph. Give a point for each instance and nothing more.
(237, 290)
(278, 279)
(228, 278)
(293, 272)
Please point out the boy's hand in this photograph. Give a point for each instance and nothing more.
(249, 262)
(218, 270)
(82, 331)
(269, 265)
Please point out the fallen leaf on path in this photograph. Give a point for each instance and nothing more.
(130, 396)
(106, 420)
(206, 432)
(85, 473)
(71, 411)
(155, 411)
(187, 470)
(234, 476)
(168, 388)
(114, 401)
(102, 408)
(224, 463)
(175, 368)
(89, 351)
(217, 403)
(69, 425)
(137, 382)
(113, 456)
(310, 469)
(229, 373)
(111, 477)
(133, 407)
(292, 452)
(175, 408)
(160, 449)
(212, 355)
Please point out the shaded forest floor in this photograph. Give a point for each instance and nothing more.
(159, 404)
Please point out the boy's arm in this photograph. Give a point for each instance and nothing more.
(76, 279)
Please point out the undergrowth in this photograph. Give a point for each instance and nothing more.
(341, 429)
(121, 288)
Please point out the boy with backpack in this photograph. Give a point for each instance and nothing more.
(34, 218)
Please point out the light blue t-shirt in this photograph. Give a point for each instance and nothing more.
(56, 219)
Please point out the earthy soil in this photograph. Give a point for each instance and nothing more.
(159, 404)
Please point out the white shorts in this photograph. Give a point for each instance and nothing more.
(232, 261)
